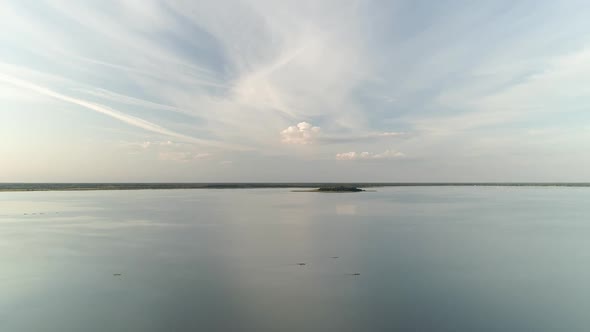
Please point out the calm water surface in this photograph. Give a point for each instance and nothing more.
(429, 258)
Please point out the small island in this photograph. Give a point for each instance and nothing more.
(333, 189)
(339, 189)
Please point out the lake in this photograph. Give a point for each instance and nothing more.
(428, 259)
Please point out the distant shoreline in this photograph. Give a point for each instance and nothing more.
(22, 187)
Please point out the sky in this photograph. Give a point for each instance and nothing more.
(294, 91)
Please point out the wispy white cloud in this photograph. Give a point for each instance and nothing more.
(182, 156)
(368, 137)
(388, 154)
(306, 133)
(387, 134)
(129, 119)
(124, 99)
(150, 144)
(561, 87)
(167, 150)
(272, 78)
(441, 81)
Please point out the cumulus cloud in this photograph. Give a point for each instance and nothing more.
(302, 133)
(388, 154)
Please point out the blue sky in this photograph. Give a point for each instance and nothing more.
(294, 90)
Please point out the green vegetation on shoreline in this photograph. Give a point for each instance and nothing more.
(11, 187)
(339, 189)
(331, 189)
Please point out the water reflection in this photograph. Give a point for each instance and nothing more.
(444, 259)
(349, 209)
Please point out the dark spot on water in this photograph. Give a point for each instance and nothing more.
(301, 264)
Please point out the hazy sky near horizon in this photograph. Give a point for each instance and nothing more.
(261, 90)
